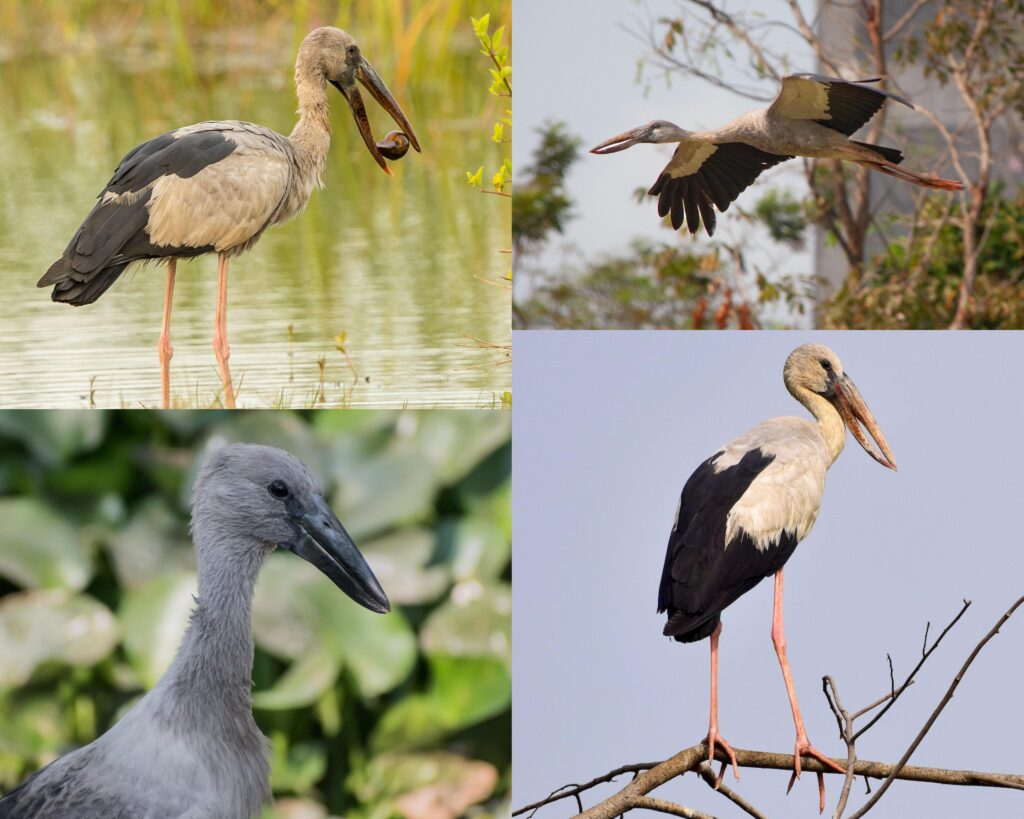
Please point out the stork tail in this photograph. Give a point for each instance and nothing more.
(75, 289)
(891, 154)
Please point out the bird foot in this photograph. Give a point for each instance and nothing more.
(713, 737)
(803, 746)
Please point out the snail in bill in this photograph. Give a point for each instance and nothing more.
(394, 146)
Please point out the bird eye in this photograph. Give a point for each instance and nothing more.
(353, 50)
(826, 364)
(278, 489)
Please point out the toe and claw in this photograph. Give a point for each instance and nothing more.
(713, 738)
(804, 748)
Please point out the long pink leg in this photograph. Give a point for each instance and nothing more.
(924, 180)
(803, 745)
(713, 735)
(220, 331)
(164, 346)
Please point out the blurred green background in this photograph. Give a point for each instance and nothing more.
(400, 266)
(369, 716)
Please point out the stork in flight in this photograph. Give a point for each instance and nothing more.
(745, 509)
(216, 186)
(812, 116)
(190, 747)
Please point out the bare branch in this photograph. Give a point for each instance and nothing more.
(708, 775)
(567, 791)
(899, 766)
(913, 672)
(908, 15)
(650, 803)
(654, 775)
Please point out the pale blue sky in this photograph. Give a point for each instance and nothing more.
(608, 426)
(575, 62)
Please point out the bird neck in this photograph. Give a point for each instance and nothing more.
(830, 423)
(312, 133)
(212, 672)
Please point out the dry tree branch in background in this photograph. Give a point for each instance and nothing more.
(648, 776)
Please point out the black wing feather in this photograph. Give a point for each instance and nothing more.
(114, 235)
(851, 103)
(701, 577)
(721, 178)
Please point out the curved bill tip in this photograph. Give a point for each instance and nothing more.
(855, 412)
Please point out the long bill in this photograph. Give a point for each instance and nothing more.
(325, 543)
(627, 139)
(379, 91)
(854, 412)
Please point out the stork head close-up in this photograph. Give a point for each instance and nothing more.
(814, 370)
(334, 55)
(258, 498)
(655, 131)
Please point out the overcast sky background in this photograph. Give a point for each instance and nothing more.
(575, 61)
(608, 426)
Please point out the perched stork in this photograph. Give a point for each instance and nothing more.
(190, 747)
(745, 509)
(812, 116)
(216, 186)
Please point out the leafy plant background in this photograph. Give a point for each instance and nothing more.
(368, 715)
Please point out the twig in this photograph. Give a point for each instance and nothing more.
(913, 672)
(575, 790)
(650, 803)
(899, 766)
(708, 775)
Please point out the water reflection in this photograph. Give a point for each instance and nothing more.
(395, 264)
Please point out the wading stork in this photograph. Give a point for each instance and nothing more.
(812, 116)
(745, 509)
(216, 186)
(190, 747)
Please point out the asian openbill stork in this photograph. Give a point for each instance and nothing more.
(216, 186)
(812, 116)
(190, 747)
(745, 509)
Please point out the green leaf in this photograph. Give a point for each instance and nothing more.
(39, 549)
(154, 617)
(475, 179)
(455, 441)
(481, 25)
(438, 785)
(55, 436)
(475, 546)
(403, 562)
(52, 626)
(463, 692)
(153, 542)
(391, 488)
(303, 684)
(475, 622)
(295, 768)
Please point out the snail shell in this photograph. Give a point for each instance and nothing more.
(394, 146)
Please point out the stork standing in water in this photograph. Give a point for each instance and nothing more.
(745, 509)
(190, 747)
(812, 116)
(216, 186)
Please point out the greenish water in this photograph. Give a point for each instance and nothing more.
(395, 264)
